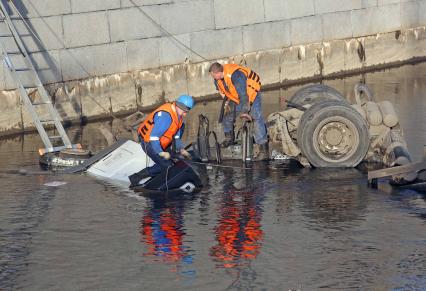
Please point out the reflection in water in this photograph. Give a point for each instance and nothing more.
(324, 204)
(239, 232)
(163, 231)
(414, 202)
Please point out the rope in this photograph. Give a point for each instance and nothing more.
(167, 177)
(165, 31)
(33, 33)
(223, 166)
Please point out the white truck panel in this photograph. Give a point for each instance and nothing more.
(128, 159)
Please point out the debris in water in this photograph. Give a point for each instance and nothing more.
(55, 184)
(278, 156)
(23, 172)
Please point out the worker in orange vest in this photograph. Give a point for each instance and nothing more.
(157, 132)
(241, 86)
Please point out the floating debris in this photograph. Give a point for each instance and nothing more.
(55, 184)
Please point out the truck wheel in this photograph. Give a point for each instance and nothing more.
(314, 93)
(333, 134)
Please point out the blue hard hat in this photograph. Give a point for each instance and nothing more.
(185, 102)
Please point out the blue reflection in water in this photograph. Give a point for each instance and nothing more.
(162, 231)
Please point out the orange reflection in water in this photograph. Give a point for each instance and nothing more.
(238, 233)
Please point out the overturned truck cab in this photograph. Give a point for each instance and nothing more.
(125, 157)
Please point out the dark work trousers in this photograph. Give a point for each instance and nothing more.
(160, 163)
(260, 134)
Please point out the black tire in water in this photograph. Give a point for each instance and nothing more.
(333, 134)
(315, 93)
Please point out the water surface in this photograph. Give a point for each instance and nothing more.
(275, 227)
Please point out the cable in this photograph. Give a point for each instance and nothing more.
(222, 166)
(165, 31)
(136, 6)
(33, 33)
(167, 176)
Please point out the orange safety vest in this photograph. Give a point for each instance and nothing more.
(147, 125)
(253, 83)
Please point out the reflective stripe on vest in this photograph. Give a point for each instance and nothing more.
(253, 83)
(147, 125)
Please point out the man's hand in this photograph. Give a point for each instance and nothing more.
(227, 108)
(246, 116)
(222, 94)
(185, 154)
(165, 155)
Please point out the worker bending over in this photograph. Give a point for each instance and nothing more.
(157, 132)
(241, 86)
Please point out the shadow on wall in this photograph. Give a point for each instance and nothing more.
(46, 66)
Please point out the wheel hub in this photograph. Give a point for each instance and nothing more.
(333, 136)
(336, 139)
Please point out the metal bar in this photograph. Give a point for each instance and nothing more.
(424, 153)
(58, 148)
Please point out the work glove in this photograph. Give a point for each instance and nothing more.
(185, 154)
(165, 155)
(246, 116)
(245, 112)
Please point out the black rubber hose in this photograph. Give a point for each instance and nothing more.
(295, 105)
(222, 110)
(216, 145)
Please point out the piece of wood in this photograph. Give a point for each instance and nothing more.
(412, 167)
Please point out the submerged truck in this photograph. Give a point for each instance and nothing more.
(320, 128)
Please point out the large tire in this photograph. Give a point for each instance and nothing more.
(315, 93)
(333, 134)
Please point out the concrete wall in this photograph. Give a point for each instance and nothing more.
(103, 56)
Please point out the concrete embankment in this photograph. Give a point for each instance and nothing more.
(112, 57)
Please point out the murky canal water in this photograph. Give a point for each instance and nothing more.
(271, 228)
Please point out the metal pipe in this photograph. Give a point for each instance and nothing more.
(247, 142)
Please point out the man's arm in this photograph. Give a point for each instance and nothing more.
(178, 138)
(162, 121)
(240, 83)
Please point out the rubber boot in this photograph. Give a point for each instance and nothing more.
(263, 154)
(136, 177)
(229, 139)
